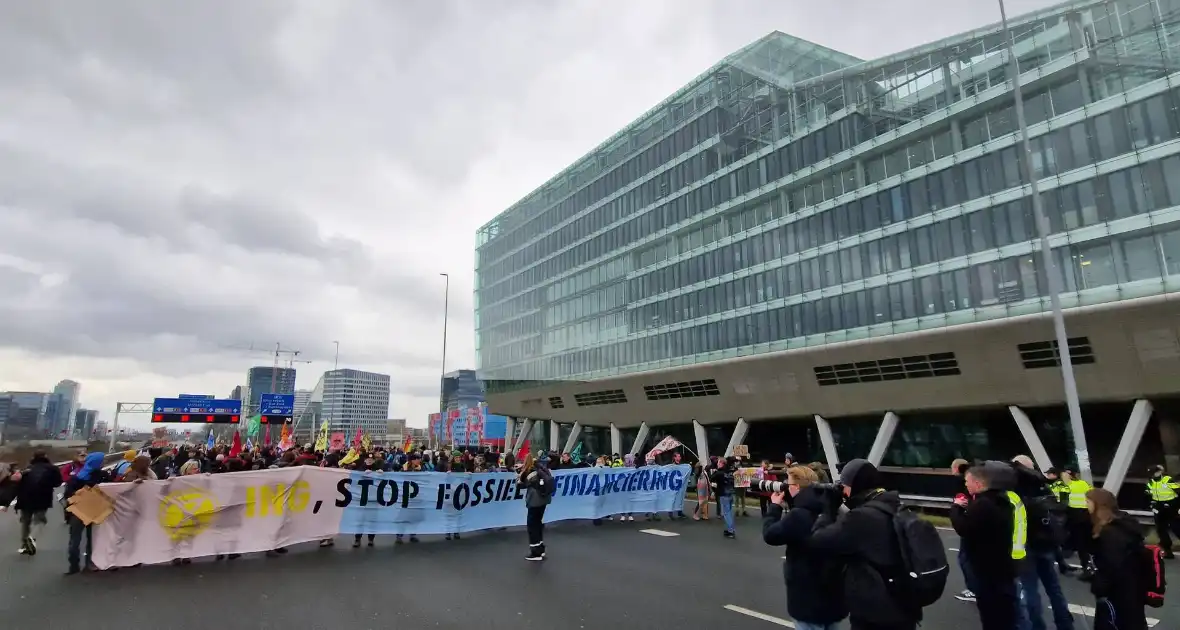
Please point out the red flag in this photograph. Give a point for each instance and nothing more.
(266, 438)
(523, 452)
(356, 441)
(236, 448)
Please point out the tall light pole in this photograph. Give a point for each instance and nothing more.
(336, 361)
(1052, 272)
(446, 308)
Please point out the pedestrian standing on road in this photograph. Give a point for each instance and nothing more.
(539, 485)
(993, 527)
(721, 480)
(1164, 505)
(1118, 561)
(1044, 537)
(91, 475)
(701, 511)
(67, 472)
(34, 497)
(1078, 520)
(959, 468)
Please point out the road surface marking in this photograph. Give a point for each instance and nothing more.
(1089, 612)
(658, 532)
(757, 615)
(945, 529)
(952, 549)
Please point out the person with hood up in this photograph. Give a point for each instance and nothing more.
(1118, 556)
(539, 490)
(34, 497)
(865, 540)
(1044, 539)
(90, 475)
(993, 528)
(814, 589)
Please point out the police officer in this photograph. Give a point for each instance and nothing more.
(1060, 490)
(1164, 505)
(1078, 519)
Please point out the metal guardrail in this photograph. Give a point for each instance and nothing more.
(944, 503)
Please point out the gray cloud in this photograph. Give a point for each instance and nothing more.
(178, 177)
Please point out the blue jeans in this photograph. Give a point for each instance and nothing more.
(968, 573)
(726, 503)
(805, 625)
(74, 547)
(1041, 568)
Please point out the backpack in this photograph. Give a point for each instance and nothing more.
(1046, 519)
(545, 485)
(1154, 579)
(922, 579)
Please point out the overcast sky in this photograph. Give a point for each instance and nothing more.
(181, 178)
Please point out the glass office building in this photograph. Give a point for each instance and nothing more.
(794, 195)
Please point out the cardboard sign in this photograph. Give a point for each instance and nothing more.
(741, 450)
(91, 505)
(337, 441)
(743, 476)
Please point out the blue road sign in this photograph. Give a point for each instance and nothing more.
(276, 404)
(197, 406)
(196, 397)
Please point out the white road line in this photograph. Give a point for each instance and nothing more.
(658, 532)
(945, 529)
(1089, 612)
(952, 548)
(757, 615)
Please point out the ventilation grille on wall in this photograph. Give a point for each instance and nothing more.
(923, 366)
(684, 389)
(1044, 354)
(556, 402)
(606, 397)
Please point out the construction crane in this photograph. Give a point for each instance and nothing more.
(294, 359)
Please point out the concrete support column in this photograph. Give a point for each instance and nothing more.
(524, 435)
(739, 435)
(640, 439)
(702, 441)
(573, 438)
(1035, 447)
(829, 443)
(554, 435)
(884, 436)
(956, 136)
(1132, 435)
(509, 433)
(616, 439)
(948, 86)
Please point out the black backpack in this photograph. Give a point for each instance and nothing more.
(924, 567)
(1046, 519)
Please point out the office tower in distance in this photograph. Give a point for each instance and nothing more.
(260, 380)
(355, 399)
(69, 394)
(461, 388)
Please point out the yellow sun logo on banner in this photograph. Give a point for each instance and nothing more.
(186, 513)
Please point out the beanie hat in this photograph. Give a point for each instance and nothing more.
(860, 475)
(129, 456)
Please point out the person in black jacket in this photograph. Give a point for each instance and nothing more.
(1044, 539)
(721, 481)
(814, 582)
(91, 474)
(34, 497)
(1118, 556)
(986, 524)
(865, 539)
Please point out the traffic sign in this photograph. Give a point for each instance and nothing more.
(204, 410)
(276, 408)
(196, 397)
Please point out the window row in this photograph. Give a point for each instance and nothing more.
(1135, 257)
(801, 153)
(1128, 192)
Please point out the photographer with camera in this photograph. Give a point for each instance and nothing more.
(815, 598)
(884, 588)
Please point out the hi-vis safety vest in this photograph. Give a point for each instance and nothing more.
(1163, 489)
(1019, 526)
(1077, 494)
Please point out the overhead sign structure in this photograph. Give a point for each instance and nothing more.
(196, 410)
(196, 397)
(276, 408)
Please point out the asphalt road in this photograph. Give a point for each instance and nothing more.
(684, 575)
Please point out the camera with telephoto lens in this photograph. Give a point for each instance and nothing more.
(762, 485)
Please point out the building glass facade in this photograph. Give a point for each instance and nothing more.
(261, 379)
(354, 399)
(794, 196)
(461, 388)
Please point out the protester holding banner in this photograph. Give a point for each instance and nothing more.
(540, 487)
(90, 475)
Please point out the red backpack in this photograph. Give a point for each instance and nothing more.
(1154, 580)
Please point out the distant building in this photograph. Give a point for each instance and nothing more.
(262, 379)
(100, 429)
(236, 394)
(461, 388)
(355, 399)
(68, 393)
(302, 399)
(85, 421)
(395, 431)
(25, 417)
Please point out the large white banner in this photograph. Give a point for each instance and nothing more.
(244, 512)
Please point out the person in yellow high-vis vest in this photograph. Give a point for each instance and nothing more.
(1165, 501)
(1078, 518)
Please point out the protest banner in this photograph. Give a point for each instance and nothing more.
(245, 512)
(743, 476)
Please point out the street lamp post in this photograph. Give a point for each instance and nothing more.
(442, 379)
(1052, 273)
